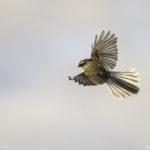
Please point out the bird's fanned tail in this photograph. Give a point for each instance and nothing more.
(123, 84)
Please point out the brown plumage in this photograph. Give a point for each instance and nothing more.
(96, 70)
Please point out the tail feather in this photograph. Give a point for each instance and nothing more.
(123, 84)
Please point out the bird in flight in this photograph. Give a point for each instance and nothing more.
(97, 69)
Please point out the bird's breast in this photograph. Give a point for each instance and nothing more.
(91, 68)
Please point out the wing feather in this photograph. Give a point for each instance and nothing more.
(105, 50)
(86, 81)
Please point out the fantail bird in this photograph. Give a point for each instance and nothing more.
(96, 70)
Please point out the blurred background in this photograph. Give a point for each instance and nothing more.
(41, 43)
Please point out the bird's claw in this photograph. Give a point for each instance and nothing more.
(70, 78)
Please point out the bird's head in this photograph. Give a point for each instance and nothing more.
(83, 63)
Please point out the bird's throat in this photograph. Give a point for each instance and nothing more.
(82, 69)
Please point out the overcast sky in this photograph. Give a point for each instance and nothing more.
(41, 43)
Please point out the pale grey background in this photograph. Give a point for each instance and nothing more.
(41, 43)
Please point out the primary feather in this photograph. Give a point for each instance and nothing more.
(105, 49)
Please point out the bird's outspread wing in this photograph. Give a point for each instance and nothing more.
(87, 81)
(105, 50)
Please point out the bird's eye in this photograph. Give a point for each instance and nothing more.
(82, 63)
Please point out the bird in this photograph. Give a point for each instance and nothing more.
(97, 69)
